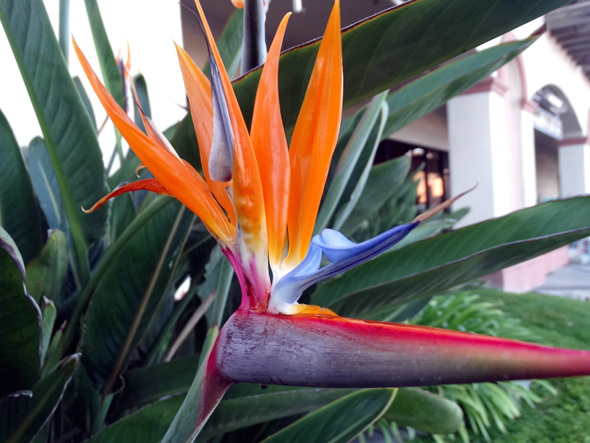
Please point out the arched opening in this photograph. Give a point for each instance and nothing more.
(554, 121)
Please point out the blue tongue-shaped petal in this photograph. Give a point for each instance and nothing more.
(222, 145)
(343, 255)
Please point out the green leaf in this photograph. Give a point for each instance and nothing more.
(249, 405)
(356, 186)
(68, 132)
(53, 354)
(19, 211)
(49, 315)
(144, 217)
(85, 99)
(148, 425)
(372, 121)
(147, 384)
(396, 45)
(20, 323)
(129, 291)
(424, 230)
(340, 421)
(438, 263)
(24, 414)
(383, 181)
(244, 404)
(108, 65)
(46, 187)
(424, 95)
(424, 411)
(46, 274)
(144, 101)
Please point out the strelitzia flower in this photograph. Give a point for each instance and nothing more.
(259, 198)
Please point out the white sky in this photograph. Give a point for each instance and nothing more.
(150, 27)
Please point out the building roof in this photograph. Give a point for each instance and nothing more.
(570, 26)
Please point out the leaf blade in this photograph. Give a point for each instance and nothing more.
(431, 265)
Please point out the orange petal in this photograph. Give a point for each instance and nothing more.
(270, 145)
(170, 171)
(247, 188)
(149, 184)
(314, 139)
(198, 90)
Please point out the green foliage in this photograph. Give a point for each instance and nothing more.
(20, 323)
(106, 280)
(561, 417)
(486, 405)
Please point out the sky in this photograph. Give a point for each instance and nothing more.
(150, 26)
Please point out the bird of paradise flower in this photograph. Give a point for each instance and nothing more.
(259, 198)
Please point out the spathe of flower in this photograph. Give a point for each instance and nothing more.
(259, 198)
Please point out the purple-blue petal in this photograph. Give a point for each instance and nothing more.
(222, 145)
(343, 254)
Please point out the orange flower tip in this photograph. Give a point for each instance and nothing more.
(238, 3)
(86, 211)
(444, 205)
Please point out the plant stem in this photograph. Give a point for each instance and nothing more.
(64, 28)
(189, 326)
(254, 43)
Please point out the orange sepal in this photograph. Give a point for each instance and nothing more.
(149, 184)
(247, 188)
(166, 167)
(198, 90)
(314, 139)
(270, 145)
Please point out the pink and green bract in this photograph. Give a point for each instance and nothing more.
(259, 199)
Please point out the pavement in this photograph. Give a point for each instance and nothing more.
(572, 281)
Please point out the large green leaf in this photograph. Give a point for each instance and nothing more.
(19, 211)
(244, 405)
(383, 181)
(424, 411)
(250, 404)
(68, 132)
(108, 65)
(46, 274)
(427, 93)
(85, 99)
(394, 46)
(435, 264)
(23, 415)
(340, 421)
(130, 290)
(20, 323)
(148, 384)
(362, 144)
(148, 425)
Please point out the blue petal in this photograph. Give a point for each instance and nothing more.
(222, 145)
(343, 255)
